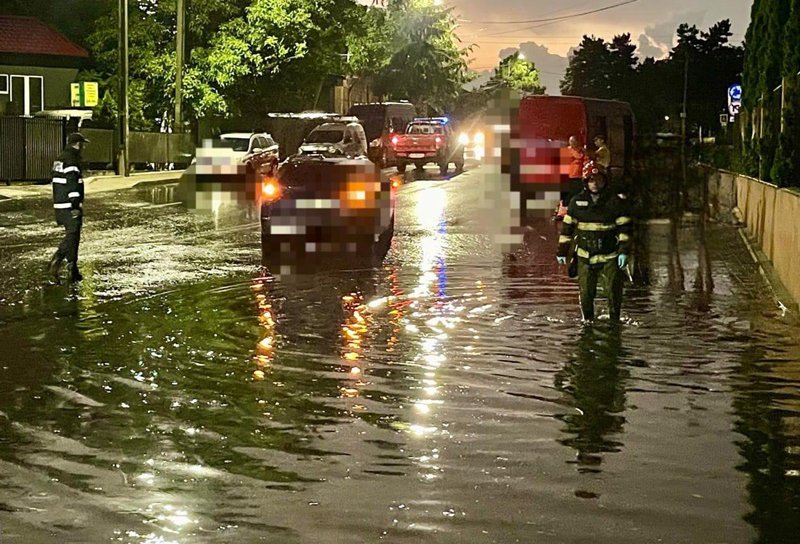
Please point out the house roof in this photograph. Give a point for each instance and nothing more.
(30, 36)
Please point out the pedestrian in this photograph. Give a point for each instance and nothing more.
(68, 205)
(599, 223)
(602, 155)
(576, 155)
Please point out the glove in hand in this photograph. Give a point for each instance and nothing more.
(622, 260)
(75, 213)
(561, 260)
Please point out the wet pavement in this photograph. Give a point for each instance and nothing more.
(181, 395)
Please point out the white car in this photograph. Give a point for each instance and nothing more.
(238, 152)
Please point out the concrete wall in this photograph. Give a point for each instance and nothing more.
(771, 216)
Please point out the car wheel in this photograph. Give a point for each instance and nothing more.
(419, 166)
(443, 168)
(401, 168)
(460, 165)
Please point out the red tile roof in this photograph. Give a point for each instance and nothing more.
(30, 36)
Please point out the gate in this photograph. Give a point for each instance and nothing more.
(28, 147)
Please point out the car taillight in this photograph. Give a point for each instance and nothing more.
(395, 139)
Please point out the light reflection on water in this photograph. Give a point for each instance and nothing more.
(441, 394)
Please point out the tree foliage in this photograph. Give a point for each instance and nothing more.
(612, 70)
(428, 64)
(518, 73)
(249, 57)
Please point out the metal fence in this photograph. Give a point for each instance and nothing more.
(28, 147)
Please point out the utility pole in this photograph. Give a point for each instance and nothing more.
(180, 47)
(684, 196)
(124, 166)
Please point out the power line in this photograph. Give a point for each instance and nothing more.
(552, 20)
(559, 18)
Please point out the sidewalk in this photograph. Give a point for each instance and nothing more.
(95, 184)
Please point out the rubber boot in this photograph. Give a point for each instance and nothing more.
(54, 267)
(74, 273)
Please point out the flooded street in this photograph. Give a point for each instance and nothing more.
(180, 395)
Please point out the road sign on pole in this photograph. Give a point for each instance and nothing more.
(734, 99)
(723, 119)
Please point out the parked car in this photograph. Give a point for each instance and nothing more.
(429, 140)
(238, 153)
(321, 207)
(343, 138)
(381, 122)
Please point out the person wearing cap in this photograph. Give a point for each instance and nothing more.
(602, 155)
(599, 223)
(68, 205)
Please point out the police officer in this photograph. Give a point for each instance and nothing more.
(68, 204)
(599, 223)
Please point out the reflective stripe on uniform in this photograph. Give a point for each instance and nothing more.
(74, 194)
(60, 180)
(624, 220)
(622, 237)
(563, 239)
(596, 226)
(594, 259)
(62, 206)
(568, 220)
(69, 169)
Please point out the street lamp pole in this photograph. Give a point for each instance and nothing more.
(124, 166)
(179, 52)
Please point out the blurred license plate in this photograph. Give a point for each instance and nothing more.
(416, 155)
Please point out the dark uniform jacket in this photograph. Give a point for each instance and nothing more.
(67, 181)
(601, 229)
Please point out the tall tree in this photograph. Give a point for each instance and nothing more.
(518, 73)
(786, 165)
(429, 64)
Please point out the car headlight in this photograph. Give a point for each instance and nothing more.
(270, 190)
(463, 138)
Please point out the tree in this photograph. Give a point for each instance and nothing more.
(588, 70)
(518, 73)
(786, 166)
(428, 65)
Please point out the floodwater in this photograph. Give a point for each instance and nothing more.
(182, 395)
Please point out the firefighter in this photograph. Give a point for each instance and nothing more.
(599, 223)
(68, 205)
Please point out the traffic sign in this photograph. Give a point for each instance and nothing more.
(734, 99)
(723, 119)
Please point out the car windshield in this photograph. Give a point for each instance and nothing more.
(325, 137)
(236, 144)
(426, 128)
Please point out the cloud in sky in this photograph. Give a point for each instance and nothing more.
(657, 40)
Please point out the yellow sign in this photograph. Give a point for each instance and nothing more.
(75, 95)
(84, 94)
(91, 92)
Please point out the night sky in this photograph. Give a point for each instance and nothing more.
(651, 23)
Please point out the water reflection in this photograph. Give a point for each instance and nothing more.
(767, 408)
(593, 382)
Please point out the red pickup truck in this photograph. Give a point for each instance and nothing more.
(428, 140)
